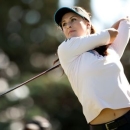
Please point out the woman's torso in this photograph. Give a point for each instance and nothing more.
(108, 114)
(98, 83)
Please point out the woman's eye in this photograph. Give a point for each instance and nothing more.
(63, 24)
(73, 19)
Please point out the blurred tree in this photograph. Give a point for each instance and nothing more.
(85, 4)
(25, 28)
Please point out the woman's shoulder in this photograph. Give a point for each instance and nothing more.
(66, 42)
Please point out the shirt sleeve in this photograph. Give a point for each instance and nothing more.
(78, 45)
(122, 38)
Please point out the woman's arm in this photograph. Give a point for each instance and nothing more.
(78, 45)
(116, 25)
(123, 36)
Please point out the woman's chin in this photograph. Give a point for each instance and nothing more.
(72, 36)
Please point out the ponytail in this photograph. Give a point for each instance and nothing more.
(102, 50)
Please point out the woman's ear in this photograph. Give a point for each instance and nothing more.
(88, 25)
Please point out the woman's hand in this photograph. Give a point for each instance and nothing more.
(116, 25)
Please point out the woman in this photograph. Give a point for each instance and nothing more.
(92, 64)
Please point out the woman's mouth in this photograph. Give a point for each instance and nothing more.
(71, 31)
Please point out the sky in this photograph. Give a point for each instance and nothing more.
(109, 11)
(105, 12)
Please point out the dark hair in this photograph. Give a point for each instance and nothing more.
(102, 50)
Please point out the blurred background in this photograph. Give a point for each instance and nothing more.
(28, 43)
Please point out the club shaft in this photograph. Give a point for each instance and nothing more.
(27, 81)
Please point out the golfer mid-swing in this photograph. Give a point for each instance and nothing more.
(92, 64)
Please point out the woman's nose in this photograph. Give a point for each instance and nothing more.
(69, 25)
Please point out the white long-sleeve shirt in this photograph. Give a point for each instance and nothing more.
(98, 82)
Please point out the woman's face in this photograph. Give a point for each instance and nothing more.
(74, 26)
